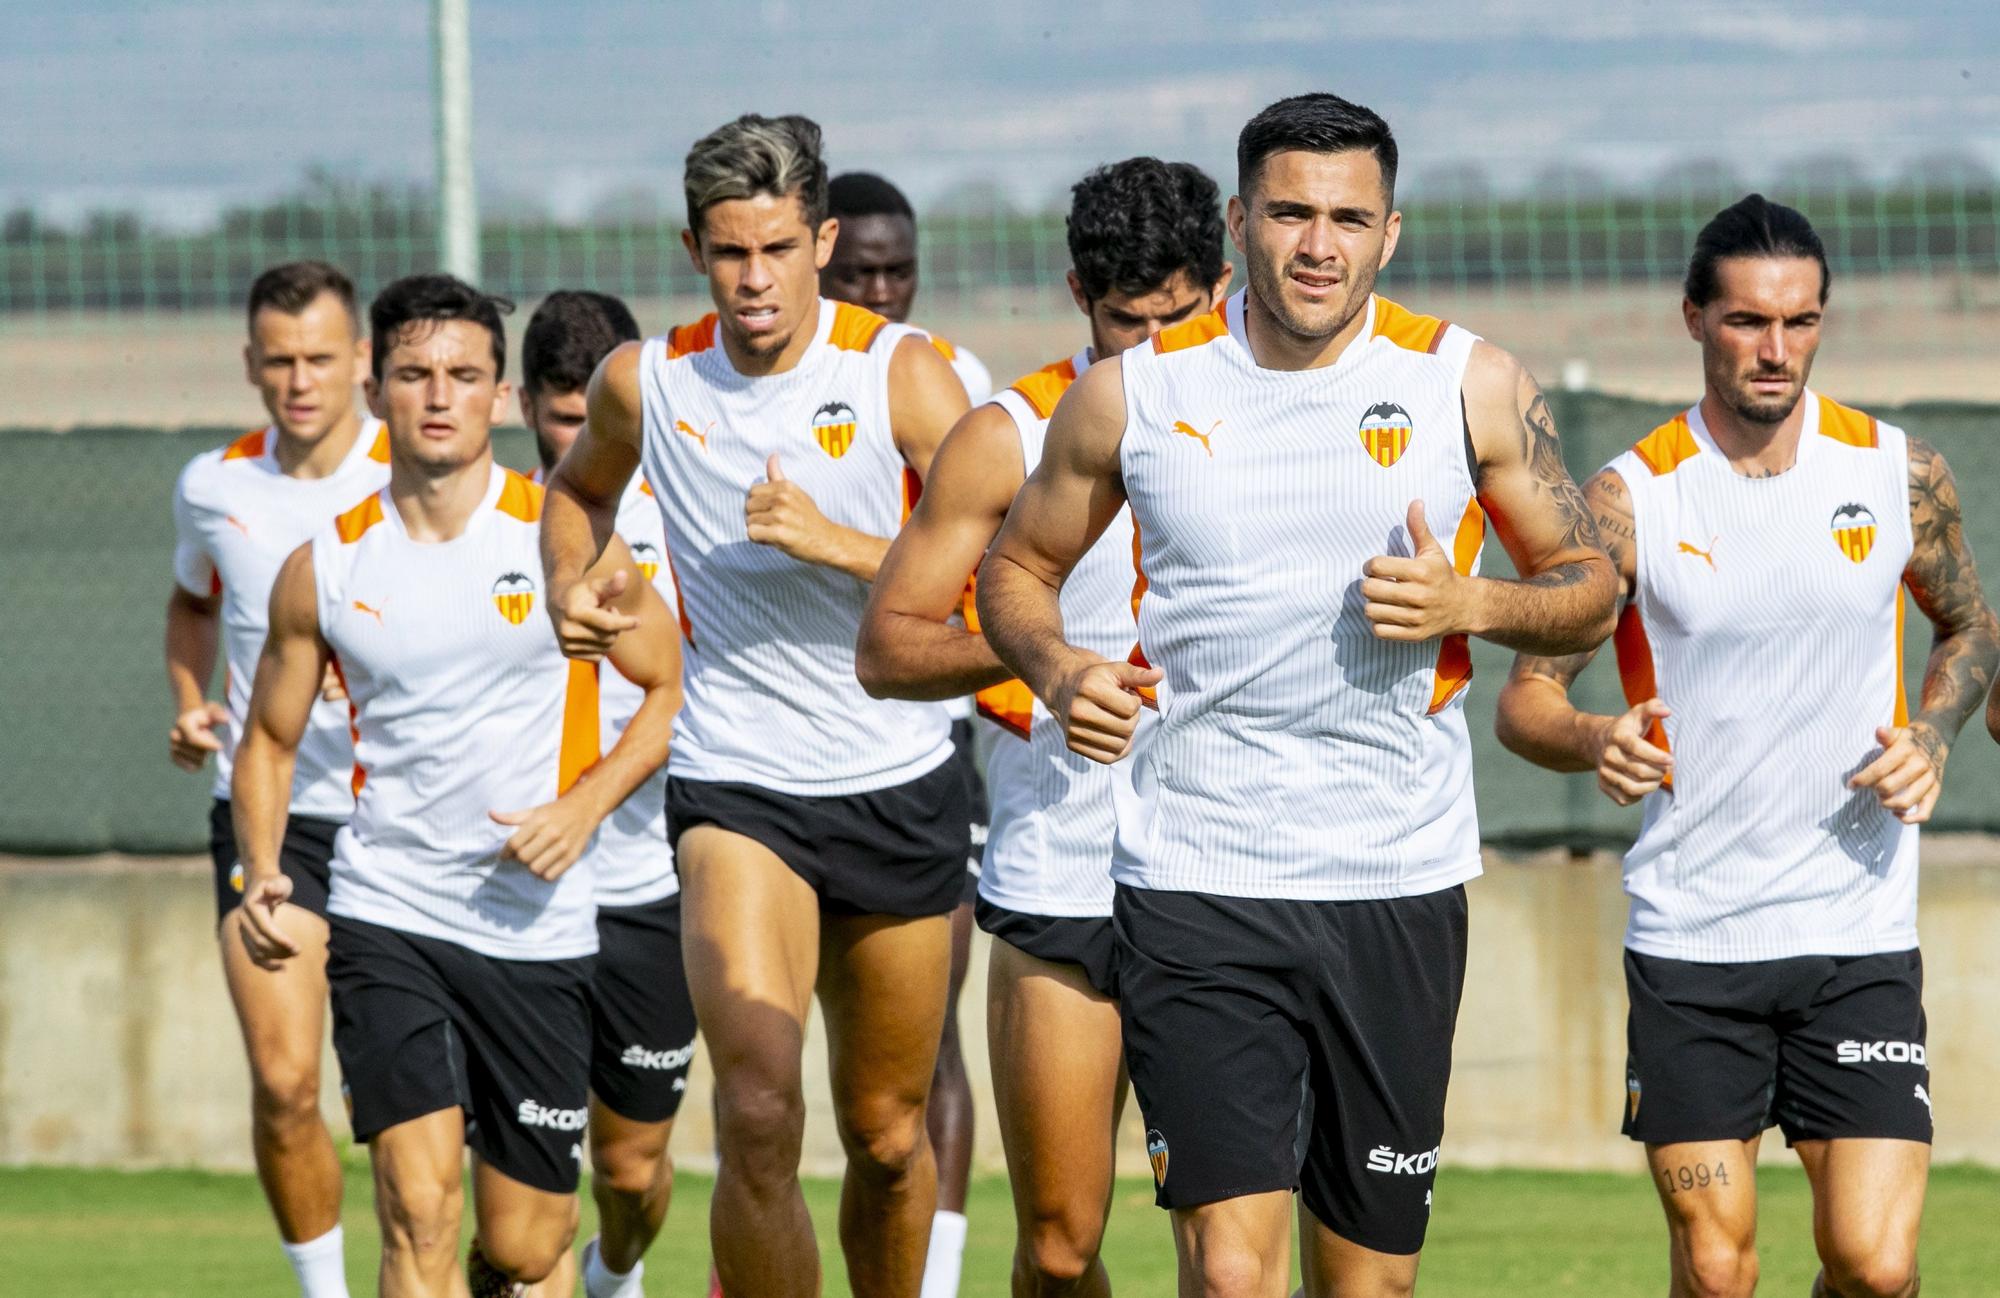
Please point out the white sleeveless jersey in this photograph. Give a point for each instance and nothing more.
(972, 372)
(770, 693)
(1048, 851)
(1769, 616)
(237, 518)
(462, 704)
(633, 859)
(1298, 756)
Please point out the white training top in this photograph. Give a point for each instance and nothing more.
(1298, 756)
(1769, 616)
(1048, 851)
(462, 704)
(771, 697)
(237, 518)
(633, 857)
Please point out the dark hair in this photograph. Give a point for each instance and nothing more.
(1752, 226)
(292, 286)
(863, 193)
(570, 332)
(1134, 224)
(1316, 123)
(434, 299)
(753, 155)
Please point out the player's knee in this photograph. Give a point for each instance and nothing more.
(419, 1218)
(1059, 1251)
(761, 1131)
(285, 1092)
(883, 1137)
(1719, 1266)
(630, 1169)
(1871, 1269)
(1233, 1273)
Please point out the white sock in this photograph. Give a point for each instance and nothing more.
(600, 1281)
(946, 1257)
(321, 1265)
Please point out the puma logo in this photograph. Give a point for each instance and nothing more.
(1706, 556)
(1188, 430)
(683, 426)
(237, 523)
(375, 613)
(1925, 1096)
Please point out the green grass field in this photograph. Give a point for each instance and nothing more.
(1496, 1234)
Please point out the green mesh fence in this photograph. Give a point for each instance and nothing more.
(83, 701)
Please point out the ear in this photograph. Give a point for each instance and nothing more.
(363, 350)
(1221, 289)
(1237, 215)
(1691, 316)
(829, 234)
(1076, 291)
(501, 391)
(1392, 232)
(250, 364)
(372, 389)
(693, 245)
(527, 408)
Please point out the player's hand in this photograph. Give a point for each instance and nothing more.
(781, 515)
(586, 617)
(548, 839)
(193, 737)
(1628, 766)
(1098, 705)
(331, 688)
(1909, 775)
(262, 929)
(1418, 598)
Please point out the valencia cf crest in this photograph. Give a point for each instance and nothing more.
(1854, 531)
(833, 428)
(1631, 1096)
(1385, 432)
(514, 596)
(1156, 1154)
(647, 556)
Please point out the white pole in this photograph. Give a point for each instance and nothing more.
(458, 207)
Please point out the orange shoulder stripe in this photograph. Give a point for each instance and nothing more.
(944, 348)
(520, 498)
(359, 519)
(685, 340)
(379, 452)
(1407, 329)
(1045, 386)
(854, 328)
(1193, 333)
(1663, 449)
(1454, 662)
(247, 447)
(1844, 424)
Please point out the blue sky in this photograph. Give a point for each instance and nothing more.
(181, 107)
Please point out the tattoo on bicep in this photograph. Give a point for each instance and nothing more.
(1542, 449)
(1563, 670)
(1944, 582)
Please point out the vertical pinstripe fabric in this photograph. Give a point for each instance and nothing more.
(1770, 616)
(1298, 756)
(459, 710)
(1049, 849)
(771, 696)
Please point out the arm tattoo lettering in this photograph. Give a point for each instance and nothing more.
(1563, 670)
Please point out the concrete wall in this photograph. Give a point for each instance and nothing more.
(117, 1046)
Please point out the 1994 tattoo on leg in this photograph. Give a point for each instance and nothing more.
(1694, 1176)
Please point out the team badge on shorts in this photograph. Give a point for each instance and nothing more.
(236, 876)
(1386, 432)
(1156, 1154)
(1631, 1096)
(833, 428)
(514, 596)
(647, 556)
(1854, 531)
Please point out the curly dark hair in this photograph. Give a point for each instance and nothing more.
(1134, 224)
(1753, 226)
(433, 299)
(569, 333)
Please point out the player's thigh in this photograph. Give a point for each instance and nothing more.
(1058, 1076)
(1868, 1197)
(417, 1166)
(882, 983)
(627, 1151)
(750, 941)
(1239, 1247)
(1708, 1189)
(521, 1226)
(282, 1011)
(1333, 1267)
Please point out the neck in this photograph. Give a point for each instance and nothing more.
(1276, 348)
(785, 358)
(298, 459)
(438, 506)
(1756, 450)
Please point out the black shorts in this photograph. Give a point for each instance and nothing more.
(895, 851)
(421, 1024)
(1059, 939)
(306, 858)
(1280, 1045)
(965, 755)
(1822, 1047)
(641, 1016)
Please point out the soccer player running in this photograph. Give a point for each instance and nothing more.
(874, 265)
(238, 513)
(1145, 241)
(461, 934)
(642, 1021)
(1768, 533)
(820, 834)
(1308, 468)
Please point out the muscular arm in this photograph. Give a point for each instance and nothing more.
(649, 656)
(1944, 582)
(908, 647)
(581, 506)
(194, 629)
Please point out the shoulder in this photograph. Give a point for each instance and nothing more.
(1664, 449)
(520, 499)
(1493, 375)
(681, 340)
(1187, 339)
(1412, 331)
(204, 475)
(354, 522)
(1848, 426)
(1042, 389)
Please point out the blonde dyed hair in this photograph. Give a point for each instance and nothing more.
(753, 155)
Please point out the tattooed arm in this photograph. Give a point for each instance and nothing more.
(1536, 718)
(1965, 642)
